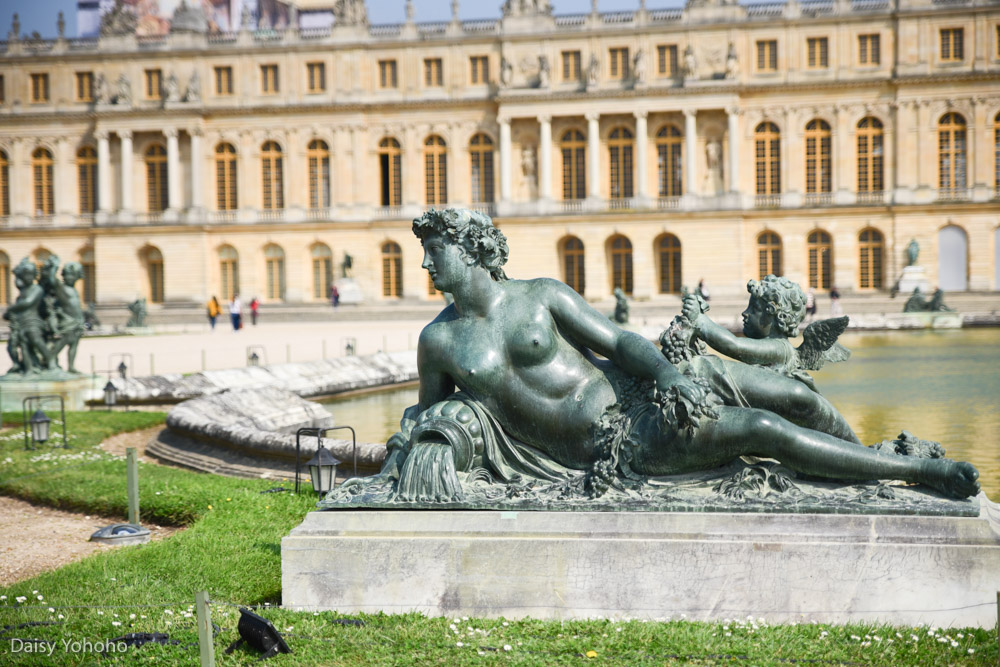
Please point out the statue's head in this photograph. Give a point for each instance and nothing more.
(481, 242)
(72, 272)
(784, 299)
(50, 271)
(25, 271)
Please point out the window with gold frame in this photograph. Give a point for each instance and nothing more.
(84, 86)
(153, 89)
(390, 172)
(870, 140)
(819, 248)
(817, 53)
(620, 249)
(225, 177)
(767, 55)
(274, 270)
(571, 67)
(666, 60)
(88, 292)
(318, 159)
(42, 168)
(618, 63)
(392, 270)
(952, 45)
(869, 50)
(387, 74)
(322, 270)
(270, 84)
(996, 154)
(768, 255)
(621, 142)
(223, 80)
(433, 73)
(315, 77)
(86, 173)
(669, 163)
(668, 255)
(481, 168)
(272, 176)
(39, 88)
(229, 272)
(952, 164)
(574, 269)
(819, 162)
(4, 185)
(479, 70)
(767, 159)
(156, 178)
(573, 147)
(871, 249)
(435, 171)
(4, 279)
(153, 259)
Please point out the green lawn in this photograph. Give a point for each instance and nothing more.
(231, 548)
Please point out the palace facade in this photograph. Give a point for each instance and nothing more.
(643, 149)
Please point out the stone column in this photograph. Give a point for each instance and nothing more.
(103, 171)
(126, 180)
(733, 116)
(196, 165)
(843, 167)
(690, 146)
(173, 169)
(545, 157)
(506, 174)
(593, 155)
(641, 144)
(358, 162)
(62, 177)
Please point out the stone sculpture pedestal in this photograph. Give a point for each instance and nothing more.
(350, 291)
(913, 277)
(75, 390)
(830, 568)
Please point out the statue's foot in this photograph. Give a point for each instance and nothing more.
(957, 479)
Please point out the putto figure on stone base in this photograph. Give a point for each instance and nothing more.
(528, 394)
(45, 318)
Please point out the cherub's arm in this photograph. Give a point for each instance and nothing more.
(748, 350)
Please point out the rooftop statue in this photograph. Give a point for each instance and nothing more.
(528, 393)
(45, 318)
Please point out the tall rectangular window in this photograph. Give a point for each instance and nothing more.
(818, 53)
(618, 65)
(433, 73)
(39, 88)
(154, 84)
(666, 60)
(84, 86)
(571, 66)
(3, 92)
(269, 83)
(315, 77)
(869, 50)
(387, 76)
(224, 80)
(952, 47)
(479, 69)
(767, 55)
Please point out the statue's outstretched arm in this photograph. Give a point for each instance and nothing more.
(747, 350)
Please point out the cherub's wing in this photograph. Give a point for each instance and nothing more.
(819, 343)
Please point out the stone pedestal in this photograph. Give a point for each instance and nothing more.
(350, 291)
(913, 277)
(75, 391)
(943, 571)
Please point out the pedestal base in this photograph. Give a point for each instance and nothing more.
(350, 291)
(74, 390)
(943, 571)
(913, 277)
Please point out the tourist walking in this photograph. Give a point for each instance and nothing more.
(334, 296)
(236, 312)
(835, 308)
(254, 308)
(213, 311)
(810, 304)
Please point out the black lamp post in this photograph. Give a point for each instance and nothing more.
(122, 370)
(39, 427)
(110, 395)
(323, 470)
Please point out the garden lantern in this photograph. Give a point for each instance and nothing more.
(254, 359)
(39, 426)
(110, 394)
(323, 470)
(122, 369)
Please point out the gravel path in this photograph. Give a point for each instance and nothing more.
(39, 539)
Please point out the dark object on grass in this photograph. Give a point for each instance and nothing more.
(356, 622)
(277, 489)
(259, 633)
(137, 639)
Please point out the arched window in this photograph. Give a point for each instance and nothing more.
(89, 290)
(153, 259)
(272, 176)
(951, 152)
(953, 259)
(620, 144)
(41, 167)
(156, 178)
(5, 185)
(481, 162)
(669, 144)
(768, 255)
(820, 249)
(318, 156)
(767, 156)
(390, 172)
(86, 171)
(225, 177)
(871, 249)
(870, 155)
(574, 166)
(4, 279)
(668, 256)
(274, 268)
(392, 269)
(818, 160)
(435, 170)
(229, 272)
(322, 265)
(621, 263)
(996, 157)
(574, 273)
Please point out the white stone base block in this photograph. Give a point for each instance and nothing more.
(914, 277)
(943, 571)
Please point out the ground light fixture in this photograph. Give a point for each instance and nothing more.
(110, 395)
(323, 470)
(259, 633)
(255, 353)
(254, 359)
(37, 428)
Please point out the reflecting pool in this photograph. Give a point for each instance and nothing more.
(939, 385)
